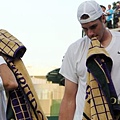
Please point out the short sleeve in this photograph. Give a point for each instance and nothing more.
(68, 69)
(1, 84)
(2, 61)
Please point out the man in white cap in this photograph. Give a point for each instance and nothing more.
(91, 18)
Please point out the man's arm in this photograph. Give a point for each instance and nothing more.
(8, 78)
(68, 104)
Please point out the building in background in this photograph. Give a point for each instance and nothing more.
(49, 93)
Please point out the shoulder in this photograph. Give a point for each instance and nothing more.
(80, 43)
(112, 10)
(116, 36)
(115, 33)
(78, 48)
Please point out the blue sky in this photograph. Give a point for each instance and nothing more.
(45, 27)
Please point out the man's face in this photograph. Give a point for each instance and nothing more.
(109, 6)
(94, 29)
(103, 9)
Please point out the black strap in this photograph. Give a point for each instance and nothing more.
(113, 95)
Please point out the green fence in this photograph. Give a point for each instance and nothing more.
(52, 118)
(54, 110)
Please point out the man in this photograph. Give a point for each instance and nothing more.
(103, 8)
(7, 82)
(104, 11)
(109, 17)
(91, 18)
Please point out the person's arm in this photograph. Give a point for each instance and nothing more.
(8, 79)
(68, 104)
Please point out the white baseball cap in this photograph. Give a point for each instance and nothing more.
(91, 8)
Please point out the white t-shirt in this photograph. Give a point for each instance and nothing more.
(3, 104)
(74, 67)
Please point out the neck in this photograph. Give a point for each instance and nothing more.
(107, 37)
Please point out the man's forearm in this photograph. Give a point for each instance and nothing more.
(67, 110)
